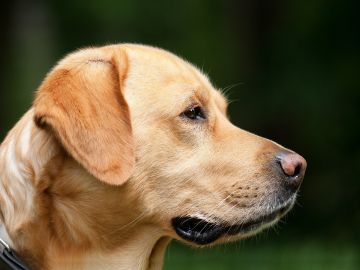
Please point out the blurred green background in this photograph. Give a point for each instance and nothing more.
(293, 68)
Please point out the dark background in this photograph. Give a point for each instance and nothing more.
(294, 71)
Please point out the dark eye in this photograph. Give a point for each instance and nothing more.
(194, 113)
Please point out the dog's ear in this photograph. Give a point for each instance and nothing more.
(82, 102)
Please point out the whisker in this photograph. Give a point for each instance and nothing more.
(226, 89)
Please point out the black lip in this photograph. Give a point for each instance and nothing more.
(197, 230)
(202, 232)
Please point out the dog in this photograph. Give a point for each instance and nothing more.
(125, 148)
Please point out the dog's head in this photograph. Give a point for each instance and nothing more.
(143, 118)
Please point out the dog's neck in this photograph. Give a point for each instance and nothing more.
(142, 252)
(57, 216)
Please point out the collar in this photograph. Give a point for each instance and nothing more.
(10, 259)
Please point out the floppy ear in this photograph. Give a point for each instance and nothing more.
(82, 102)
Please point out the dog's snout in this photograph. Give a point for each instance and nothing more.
(293, 167)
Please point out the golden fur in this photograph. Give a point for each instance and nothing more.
(93, 173)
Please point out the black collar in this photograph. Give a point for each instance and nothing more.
(10, 259)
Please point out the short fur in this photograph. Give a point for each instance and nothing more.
(93, 173)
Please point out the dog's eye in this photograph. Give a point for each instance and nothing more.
(194, 113)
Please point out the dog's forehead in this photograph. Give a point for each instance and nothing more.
(162, 66)
(155, 74)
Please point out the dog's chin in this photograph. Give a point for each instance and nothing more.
(202, 232)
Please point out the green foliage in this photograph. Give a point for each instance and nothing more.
(275, 256)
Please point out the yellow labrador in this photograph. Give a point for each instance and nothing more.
(125, 148)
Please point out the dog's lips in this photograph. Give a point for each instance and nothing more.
(197, 230)
(257, 223)
(201, 232)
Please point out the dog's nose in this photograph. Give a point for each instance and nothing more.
(293, 167)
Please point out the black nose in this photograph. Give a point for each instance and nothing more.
(293, 167)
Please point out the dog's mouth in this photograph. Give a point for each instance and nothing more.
(202, 232)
